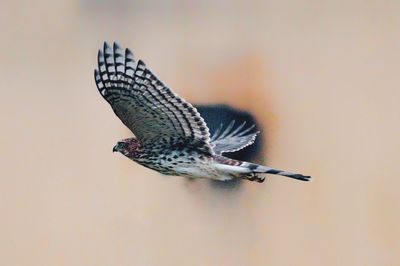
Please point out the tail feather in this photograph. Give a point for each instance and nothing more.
(250, 171)
(255, 168)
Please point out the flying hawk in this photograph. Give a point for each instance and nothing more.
(170, 135)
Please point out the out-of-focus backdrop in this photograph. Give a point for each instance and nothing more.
(322, 77)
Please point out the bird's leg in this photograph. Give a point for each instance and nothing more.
(255, 177)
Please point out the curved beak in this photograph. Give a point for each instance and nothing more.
(115, 148)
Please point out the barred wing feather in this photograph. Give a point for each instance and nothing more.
(231, 140)
(152, 111)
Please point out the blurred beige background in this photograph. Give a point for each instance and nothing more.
(322, 76)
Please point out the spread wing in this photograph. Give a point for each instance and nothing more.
(231, 140)
(154, 113)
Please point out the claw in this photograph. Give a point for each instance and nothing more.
(255, 177)
(260, 179)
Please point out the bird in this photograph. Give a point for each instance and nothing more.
(170, 136)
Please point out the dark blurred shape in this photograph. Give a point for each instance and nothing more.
(217, 114)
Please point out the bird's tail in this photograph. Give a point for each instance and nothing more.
(256, 169)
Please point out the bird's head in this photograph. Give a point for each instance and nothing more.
(128, 147)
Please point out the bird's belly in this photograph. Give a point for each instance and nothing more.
(189, 165)
(193, 172)
(204, 171)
